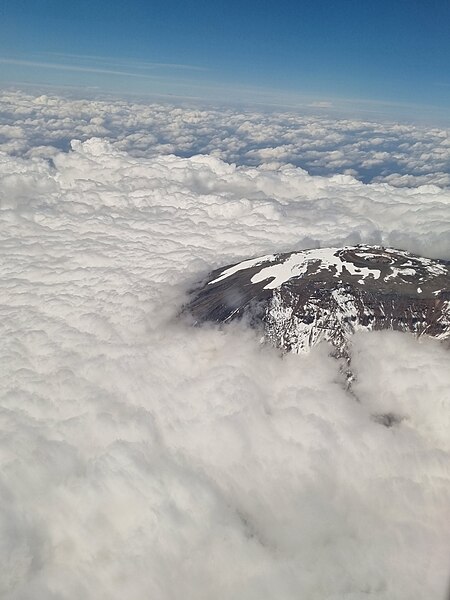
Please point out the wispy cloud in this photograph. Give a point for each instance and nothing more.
(68, 67)
(130, 63)
(65, 67)
(321, 104)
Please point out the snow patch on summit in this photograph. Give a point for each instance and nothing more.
(332, 260)
(300, 263)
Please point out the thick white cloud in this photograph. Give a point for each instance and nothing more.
(402, 155)
(141, 457)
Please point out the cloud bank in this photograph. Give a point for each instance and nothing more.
(402, 155)
(142, 457)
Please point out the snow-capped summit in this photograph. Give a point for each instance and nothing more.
(301, 298)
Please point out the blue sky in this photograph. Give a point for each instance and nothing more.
(395, 52)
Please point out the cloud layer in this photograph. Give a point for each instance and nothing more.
(142, 457)
(402, 155)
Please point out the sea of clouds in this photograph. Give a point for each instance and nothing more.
(399, 154)
(144, 458)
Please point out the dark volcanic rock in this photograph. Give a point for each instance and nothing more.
(301, 298)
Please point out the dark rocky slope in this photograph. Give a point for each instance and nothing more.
(302, 298)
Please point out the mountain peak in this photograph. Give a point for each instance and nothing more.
(301, 298)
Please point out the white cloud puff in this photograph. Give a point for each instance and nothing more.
(141, 457)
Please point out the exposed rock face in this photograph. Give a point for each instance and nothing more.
(302, 298)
